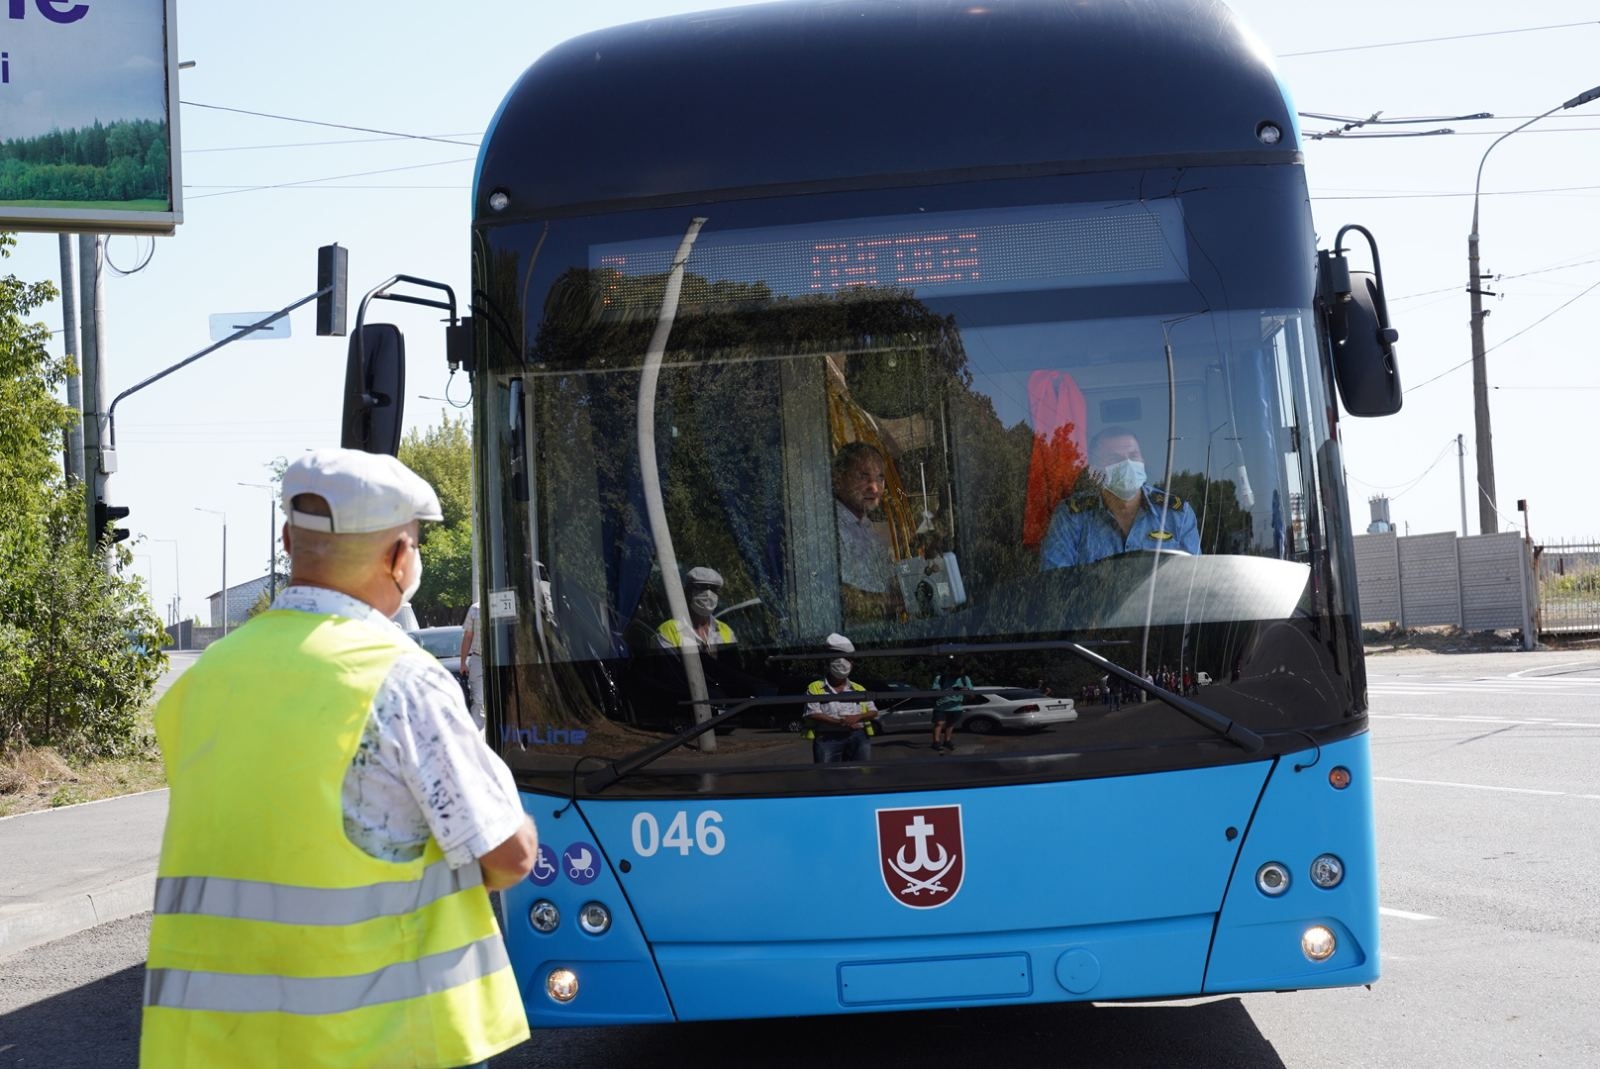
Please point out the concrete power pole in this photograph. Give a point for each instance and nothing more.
(1461, 470)
(99, 461)
(1488, 518)
(73, 461)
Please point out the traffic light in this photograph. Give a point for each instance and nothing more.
(104, 516)
(332, 275)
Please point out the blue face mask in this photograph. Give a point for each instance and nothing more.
(1124, 478)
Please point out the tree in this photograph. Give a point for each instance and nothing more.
(443, 456)
(79, 647)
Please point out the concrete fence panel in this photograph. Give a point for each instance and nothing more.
(1494, 582)
(1378, 577)
(1430, 580)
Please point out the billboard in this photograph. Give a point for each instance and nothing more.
(89, 116)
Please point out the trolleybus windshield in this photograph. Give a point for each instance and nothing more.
(972, 355)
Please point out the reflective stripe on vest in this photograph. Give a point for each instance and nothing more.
(181, 989)
(252, 900)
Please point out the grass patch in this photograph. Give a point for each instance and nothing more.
(34, 779)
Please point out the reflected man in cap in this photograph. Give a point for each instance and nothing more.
(840, 729)
(702, 586)
(335, 817)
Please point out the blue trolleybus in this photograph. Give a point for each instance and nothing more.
(978, 342)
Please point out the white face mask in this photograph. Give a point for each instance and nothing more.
(839, 668)
(1124, 478)
(409, 591)
(704, 602)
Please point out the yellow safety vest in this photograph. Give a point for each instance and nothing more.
(820, 688)
(672, 633)
(277, 941)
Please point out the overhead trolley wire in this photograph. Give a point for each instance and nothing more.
(1435, 40)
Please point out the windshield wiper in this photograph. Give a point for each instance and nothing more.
(1207, 717)
(1204, 715)
(1236, 733)
(600, 779)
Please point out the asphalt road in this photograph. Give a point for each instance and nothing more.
(1488, 800)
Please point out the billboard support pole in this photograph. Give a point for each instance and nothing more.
(73, 463)
(99, 463)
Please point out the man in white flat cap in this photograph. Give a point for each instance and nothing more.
(335, 817)
(702, 587)
(839, 725)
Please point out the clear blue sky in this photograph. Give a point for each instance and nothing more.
(261, 195)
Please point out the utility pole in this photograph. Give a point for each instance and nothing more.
(73, 462)
(98, 464)
(1488, 522)
(272, 539)
(1461, 467)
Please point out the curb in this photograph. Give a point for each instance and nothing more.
(24, 928)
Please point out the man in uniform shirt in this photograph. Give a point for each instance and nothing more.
(1126, 513)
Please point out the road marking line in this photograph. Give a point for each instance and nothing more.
(1400, 914)
(1543, 668)
(1483, 720)
(1479, 787)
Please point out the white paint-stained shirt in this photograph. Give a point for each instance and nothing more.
(422, 767)
(864, 560)
(838, 709)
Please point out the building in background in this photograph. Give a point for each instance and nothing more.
(242, 598)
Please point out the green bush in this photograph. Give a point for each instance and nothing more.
(79, 645)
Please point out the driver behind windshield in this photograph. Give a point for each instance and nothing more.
(1118, 512)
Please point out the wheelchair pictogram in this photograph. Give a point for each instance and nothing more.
(544, 867)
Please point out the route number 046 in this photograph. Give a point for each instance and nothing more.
(708, 838)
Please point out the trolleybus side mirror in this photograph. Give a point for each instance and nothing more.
(1356, 317)
(374, 389)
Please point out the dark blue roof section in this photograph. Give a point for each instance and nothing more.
(829, 91)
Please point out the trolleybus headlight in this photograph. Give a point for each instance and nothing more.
(1318, 943)
(1269, 133)
(562, 985)
(499, 200)
(1272, 879)
(544, 916)
(1327, 872)
(594, 918)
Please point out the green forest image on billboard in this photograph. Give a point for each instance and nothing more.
(85, 110)
(121, 164)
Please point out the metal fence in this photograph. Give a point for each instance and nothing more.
(1569, 587)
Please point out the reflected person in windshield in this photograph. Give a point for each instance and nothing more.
(703, 586)
(866, 565)
(839, 729)
(1120, 513)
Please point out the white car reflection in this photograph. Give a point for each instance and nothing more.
(986, 710)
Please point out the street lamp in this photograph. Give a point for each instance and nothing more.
(1488, 517)
(224, 515)
(272, 535)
